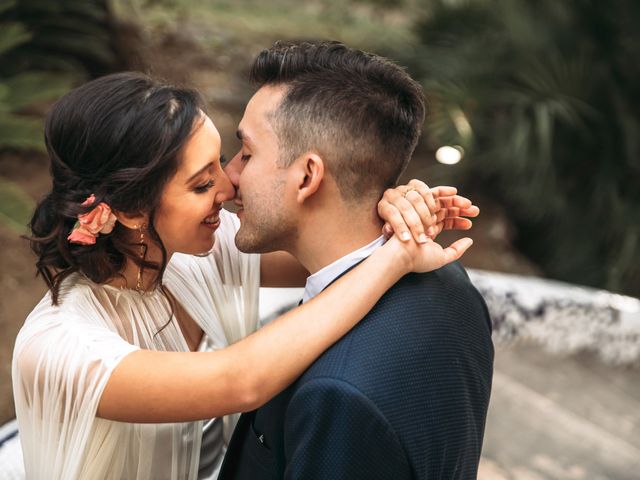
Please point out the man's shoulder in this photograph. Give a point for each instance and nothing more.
(407, 328)
(434, 295)
(405, 364)
(450, 278)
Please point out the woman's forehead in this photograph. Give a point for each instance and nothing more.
(202, 148)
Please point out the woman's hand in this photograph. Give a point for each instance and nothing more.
(416, 210)
(425, 257)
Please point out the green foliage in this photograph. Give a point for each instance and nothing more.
(45, 47)
(250, 25)
(21, 90)
(384, 3)
(12, 35)
(545, 98)
(66, 35)
(15, 206)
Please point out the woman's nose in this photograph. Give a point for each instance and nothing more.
(226, 190)
(233, 169)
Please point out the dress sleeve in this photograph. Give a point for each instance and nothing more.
(60, 368)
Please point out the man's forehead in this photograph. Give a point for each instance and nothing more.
(266, 99)
(256, 116)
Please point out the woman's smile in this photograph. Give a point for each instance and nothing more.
(212, 221)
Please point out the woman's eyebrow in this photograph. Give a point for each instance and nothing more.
(207, 166)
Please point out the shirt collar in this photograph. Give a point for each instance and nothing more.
(319, 280)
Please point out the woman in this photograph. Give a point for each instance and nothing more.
(106, 381)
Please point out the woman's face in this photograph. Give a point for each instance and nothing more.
(189, 211)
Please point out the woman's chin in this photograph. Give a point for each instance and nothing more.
(201, 247)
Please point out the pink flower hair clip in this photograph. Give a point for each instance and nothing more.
(89, 225)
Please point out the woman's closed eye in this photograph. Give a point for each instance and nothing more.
(205, 187)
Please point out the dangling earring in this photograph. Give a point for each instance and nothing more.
(143, 251)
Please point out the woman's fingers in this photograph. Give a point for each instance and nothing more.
(393, 219)
(458, 201)
(472, 211)
(425, 192)
(459, 223)
(387, 231)
(431, 256)
(444, 191)
(410, 211)
(454, 251)
(425, 216)
(415, 210)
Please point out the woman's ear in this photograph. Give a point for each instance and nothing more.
(133, 222)
(311, 170)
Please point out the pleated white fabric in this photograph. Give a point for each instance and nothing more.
(64, 355)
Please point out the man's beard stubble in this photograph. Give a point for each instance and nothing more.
(269, 229)
(263, 239)
(266, 226)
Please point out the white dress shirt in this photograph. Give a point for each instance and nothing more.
(319, 280)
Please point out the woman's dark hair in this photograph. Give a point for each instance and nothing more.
(117, 137)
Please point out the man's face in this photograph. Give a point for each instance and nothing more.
(265, 222)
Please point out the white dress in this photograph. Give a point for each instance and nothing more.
(64, 355)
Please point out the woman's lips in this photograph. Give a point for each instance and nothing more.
(212, 221)
(212, 226)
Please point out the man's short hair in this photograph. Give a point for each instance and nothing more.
(361, 112)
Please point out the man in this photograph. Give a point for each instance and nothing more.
(405, 393)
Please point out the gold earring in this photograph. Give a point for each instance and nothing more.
(143, 251)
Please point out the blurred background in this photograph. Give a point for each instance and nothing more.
(534, 113)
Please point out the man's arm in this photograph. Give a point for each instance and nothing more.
(333, 431)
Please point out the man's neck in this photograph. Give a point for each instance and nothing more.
(328, 236)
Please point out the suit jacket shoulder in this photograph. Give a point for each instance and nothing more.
(414, 375)
(423, 355)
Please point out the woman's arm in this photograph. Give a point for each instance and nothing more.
(157, 387)
(438, 208)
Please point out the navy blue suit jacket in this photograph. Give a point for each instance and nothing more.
(404, 395)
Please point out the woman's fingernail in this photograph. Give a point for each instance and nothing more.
(422, 238)
(431, 231)
(405, 236)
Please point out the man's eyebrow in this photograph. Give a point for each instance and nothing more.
(242, 136)
(207, 166)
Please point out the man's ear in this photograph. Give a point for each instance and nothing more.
(311, 168)
(132, 221)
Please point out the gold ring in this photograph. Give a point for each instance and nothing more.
(411, 189)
